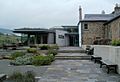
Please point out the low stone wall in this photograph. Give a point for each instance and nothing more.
(111, 53)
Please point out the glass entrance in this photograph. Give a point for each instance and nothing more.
(73, 40)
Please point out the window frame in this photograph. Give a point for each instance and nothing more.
(85, 26)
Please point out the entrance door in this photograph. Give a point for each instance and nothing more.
(45, 39)
(73, 40)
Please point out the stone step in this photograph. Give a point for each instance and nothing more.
(72, 57)
(71, 51)
(2, 77)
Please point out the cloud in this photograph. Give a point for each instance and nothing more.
(48, 13)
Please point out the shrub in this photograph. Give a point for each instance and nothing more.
(52, 57)
(28, 76)
(33, 46)
(115, 42)
(54, 47)
(32, 50)
(17, 54)
(42, 60)
(16, 77)
(44, 47)
(54, 52)
(23, 60)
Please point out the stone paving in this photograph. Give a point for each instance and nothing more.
(70, 48)
(77, 71)
(71, 54)
(65, 70)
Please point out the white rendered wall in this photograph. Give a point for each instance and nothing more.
(111, 53)
(60, 41)
(80, 37)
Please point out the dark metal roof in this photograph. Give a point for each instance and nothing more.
(70, 26)
(97, 17)
(32, 30)
(73, 33)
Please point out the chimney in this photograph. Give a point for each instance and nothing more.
(80, 13)
(117, 9)
(103, 12)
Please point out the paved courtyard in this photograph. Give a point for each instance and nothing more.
(77, 71)
(65, 70)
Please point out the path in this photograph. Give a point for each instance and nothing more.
(65, 70)
(76, 70)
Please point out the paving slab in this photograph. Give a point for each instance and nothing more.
(77, 71)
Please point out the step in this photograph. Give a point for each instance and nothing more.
(2, 77)
(71, 51)
(72, 57)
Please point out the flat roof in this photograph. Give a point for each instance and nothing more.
(32, 30)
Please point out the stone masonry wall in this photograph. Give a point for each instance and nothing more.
(114, 29)
(95, 29)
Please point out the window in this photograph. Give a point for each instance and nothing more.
(86, 26)
(61, 36)
(98, 37)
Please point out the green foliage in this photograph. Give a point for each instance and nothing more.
(33, 46)
(29, 76)
(42, 60)
(22, 60)
(54, 52)
(17, 54)
(44, 47)
(52, 57)
(8, 39)
(54, 47)
(33, 60)
(32, 50)
(115, 42)
(16, 76)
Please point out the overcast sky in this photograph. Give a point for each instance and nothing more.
(48, 13)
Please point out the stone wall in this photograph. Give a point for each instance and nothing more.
(95, 29)
(111, 53)
(114, 29)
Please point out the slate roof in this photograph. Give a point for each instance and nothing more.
(118, 16)
(97, 17)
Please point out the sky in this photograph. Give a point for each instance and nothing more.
(48, 13)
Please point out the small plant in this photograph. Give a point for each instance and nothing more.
(23, 60)
(32, 50)
(52, 57)
(28, 76)
(54, 52)
(44, 47)
(42, 60)
(17, 54)
(33, 46)
(115, 42)
(54, 47)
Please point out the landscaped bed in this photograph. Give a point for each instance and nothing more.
(28, 76)
(34, 56)
(30, 56)
(31, 59)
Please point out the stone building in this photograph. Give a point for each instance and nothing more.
(100, 26)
